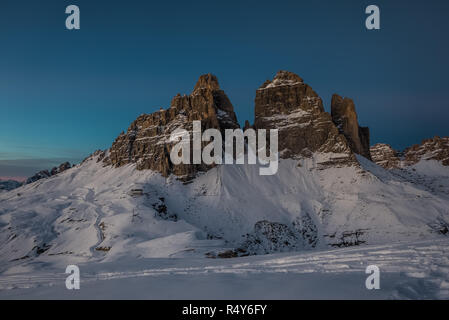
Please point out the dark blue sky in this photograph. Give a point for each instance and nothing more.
(64, 94)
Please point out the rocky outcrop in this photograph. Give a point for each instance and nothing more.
(288, 104)
(147, 141)
(345, 118)
(40, 175)
(385, 156)
(430, 149)
(269, 237)
(62, 167)
(46, 174)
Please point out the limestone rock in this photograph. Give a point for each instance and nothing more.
(147, 141)
(288, 104)
(345, 118)
(430, 149)
(385, 156)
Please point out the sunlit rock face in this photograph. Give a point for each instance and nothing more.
(288, 104)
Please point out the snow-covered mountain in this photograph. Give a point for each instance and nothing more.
(94, 212)
(130, 203)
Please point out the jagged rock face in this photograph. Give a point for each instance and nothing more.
(288, 104)
(385, 156)
(40, 175)
(430, 149)
(62, 167)
(345, 118)
(46, 174)
(207, 81)
(147, 141)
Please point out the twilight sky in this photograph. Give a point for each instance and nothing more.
(64, 94)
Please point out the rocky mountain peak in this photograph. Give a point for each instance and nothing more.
(288, 104)
(282, 78)
(285, 103)
(345, 118)
(147, 140)
(207, 81)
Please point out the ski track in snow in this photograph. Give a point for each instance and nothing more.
(89, 198)
(421, 271)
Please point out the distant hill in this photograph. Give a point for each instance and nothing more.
(7, 185)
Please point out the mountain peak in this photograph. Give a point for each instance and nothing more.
(345, 118)
(282, 78)
(296, 111)
(147, 141)
(207, 81)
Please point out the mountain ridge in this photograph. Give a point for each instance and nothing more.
(130, 200)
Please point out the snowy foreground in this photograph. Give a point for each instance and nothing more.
(407, 271)
(160, 241)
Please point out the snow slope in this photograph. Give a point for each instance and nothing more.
(418, 270)
(87, 215)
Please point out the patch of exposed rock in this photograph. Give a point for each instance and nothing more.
(38, 176)
(385, 156)
(269, 237)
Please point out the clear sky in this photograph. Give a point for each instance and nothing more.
(64, 94)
